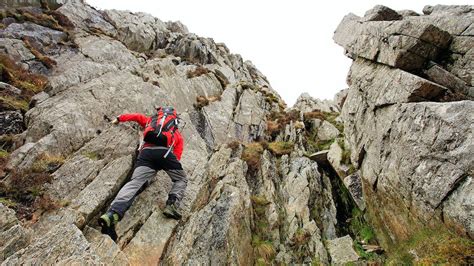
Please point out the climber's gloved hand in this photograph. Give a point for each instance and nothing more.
(115, 121)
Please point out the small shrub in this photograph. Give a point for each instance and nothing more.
(202, 101)
(433, 246)
(92, 155)
(47, 163)
(198, 71)
(316, 114)
(13, 103)
(301, 237)
(3, 154)
(264, 250)
(48, 62)
(273, 128)
(15, 75)
(281, 147)
(252, 156)
(259, 200)
(234, 145)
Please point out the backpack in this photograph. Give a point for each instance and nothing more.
(160, 130)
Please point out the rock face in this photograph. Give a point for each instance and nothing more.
(112, 62)
(408, 117)
(265, 185)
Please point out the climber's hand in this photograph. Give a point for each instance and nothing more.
(115, 121)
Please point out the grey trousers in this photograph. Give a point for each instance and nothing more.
(148, 163)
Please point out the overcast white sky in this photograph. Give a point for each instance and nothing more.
(288, 41)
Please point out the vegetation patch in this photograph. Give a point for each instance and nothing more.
(198, 71)
(277, 121)
(47, 163)
(46, 17)
(327, 116)
(234, 145)
(92, 155)
(261, 239)
(8, 102)
(15, 75)
(202, 101)
(281, 147)
(433, 246)
(23, 190)
(48, 62)
(252, 156)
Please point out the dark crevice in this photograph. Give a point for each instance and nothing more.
(203, 127)
(342, 200)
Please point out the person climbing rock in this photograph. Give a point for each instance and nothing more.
(161, 150)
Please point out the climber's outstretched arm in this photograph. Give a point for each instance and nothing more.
(141, 119)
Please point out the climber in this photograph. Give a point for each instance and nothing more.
(161, 150)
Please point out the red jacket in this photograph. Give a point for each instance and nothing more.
(143, 121)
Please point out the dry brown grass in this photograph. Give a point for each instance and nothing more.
(15, 75)
(202, 101)
(198, 71)
(24, 190)
(47, 163)
(234, 145)
(280, 148)
(252, 156)
(48, 62)
(433, 246)
(277, 121)
(314, 115)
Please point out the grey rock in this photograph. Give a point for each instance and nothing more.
(384, 85)
(11, 122)
(443, 77)
(402, 44)
(340, 98)
(7, 218)
(177, 26)
(212, 232)
(107, 183)
(306, 103)
(447, 9)
(321, 157)
(341, 251)
(16, 49)
(407, 13)
(13, 240)
(38, 98)
(137, 31)
(43, 35)
(381, 13)
(353, 183)
(335, 159)
(107, 51)
(327, 131)
(458, 206)
(61, 243)
(443, 131)
(148, 244)
(105, 248)
(85, 17)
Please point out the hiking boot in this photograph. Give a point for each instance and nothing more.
(107, 223)
(171, 211)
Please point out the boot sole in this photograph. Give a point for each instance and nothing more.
(107, 230)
